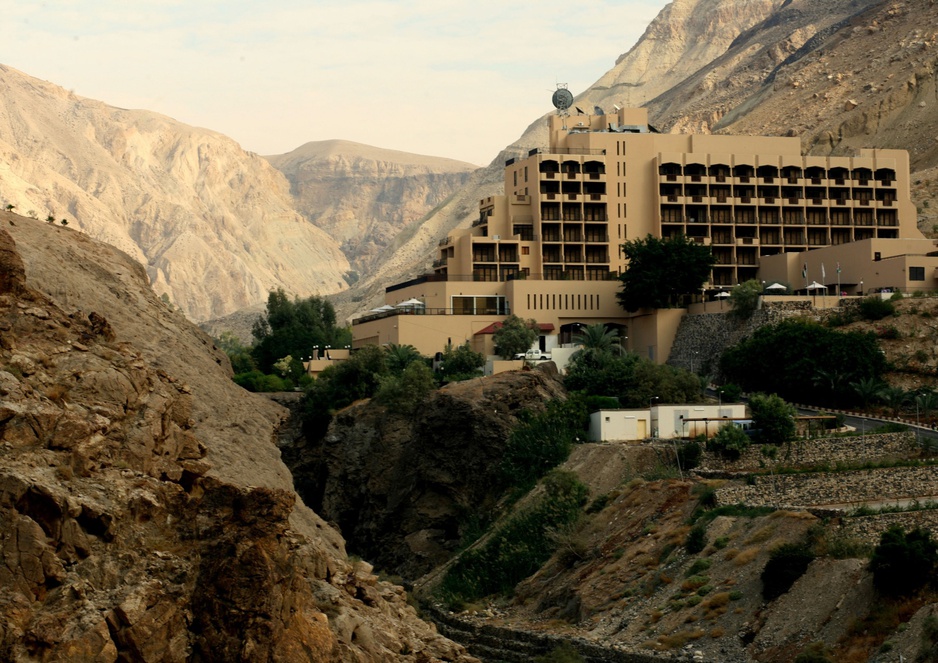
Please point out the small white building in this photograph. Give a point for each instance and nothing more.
(663, 422)
(619, 425)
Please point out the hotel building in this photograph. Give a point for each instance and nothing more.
(550, 248)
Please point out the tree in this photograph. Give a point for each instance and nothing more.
(926, 401)
(407, 390)
(786, 357)
(894, 398)
(294, 328)
(514, 336)
(903, 562)
(730, 441)
(867, 390)
(599, 339)
(744, 298)
(399, 357)
(461, 363)
(50, 219)
(660, 271)
(772, 418)
(10, 208)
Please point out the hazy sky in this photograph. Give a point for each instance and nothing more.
(453, 79)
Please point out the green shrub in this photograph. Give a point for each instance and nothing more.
(903, 562)
(520, 546)
(786, 564)
(698, 566)
(564, 653)
(696, 539)
(730, 442)
(688, 455)
(875, 308)
(407, 391)
(816, 652)
(542, 441)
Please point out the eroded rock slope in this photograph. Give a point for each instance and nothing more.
(144, 511)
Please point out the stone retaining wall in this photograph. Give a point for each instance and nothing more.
(820, 451)
(826, 488)
(869, 528)
(701, 339)
(495, 643)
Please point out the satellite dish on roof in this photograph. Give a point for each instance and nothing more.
(597, 110)
(562, 98)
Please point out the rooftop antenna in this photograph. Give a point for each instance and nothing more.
(562, 100)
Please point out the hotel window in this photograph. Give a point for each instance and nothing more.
(516, 178)
(525, 175)
(916, 273)
(525, 250)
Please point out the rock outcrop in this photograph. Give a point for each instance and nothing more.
(365, 197)
(213, 225)
(403, 488)
(144, 512)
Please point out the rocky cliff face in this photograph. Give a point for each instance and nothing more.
(841, 75)
(144, 511)
(402, 488)
(213, 225)
(364, 197)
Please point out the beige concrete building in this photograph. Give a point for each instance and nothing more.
(550, 248)
(663, 422)
(872, 265)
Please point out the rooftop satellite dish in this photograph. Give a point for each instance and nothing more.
(562, 98)
(617, 107)
(598, 111)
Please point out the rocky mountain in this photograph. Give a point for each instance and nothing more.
(403, 488)
(364, 197)
(144, 510)
(839, 74)
(214, 226)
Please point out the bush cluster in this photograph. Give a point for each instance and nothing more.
(543, 440)
(903, 561)
(519, 547)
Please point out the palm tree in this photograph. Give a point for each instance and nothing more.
(599, 339)
(894, 398)
(867, 390)
(829, 380)
(926, 402)
(398, 357)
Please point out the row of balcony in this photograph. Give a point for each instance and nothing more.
(882, 223)
(797, 181)
(776, 201)
(573, 197)
(568, 175)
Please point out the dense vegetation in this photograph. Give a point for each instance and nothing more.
(631, 379)
(661, 271)
(903, 561)
(519, 547)
(805, 362)
(293, 328)
(283, 337)
(543, 440)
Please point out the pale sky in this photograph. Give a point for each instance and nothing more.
(453, 79)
